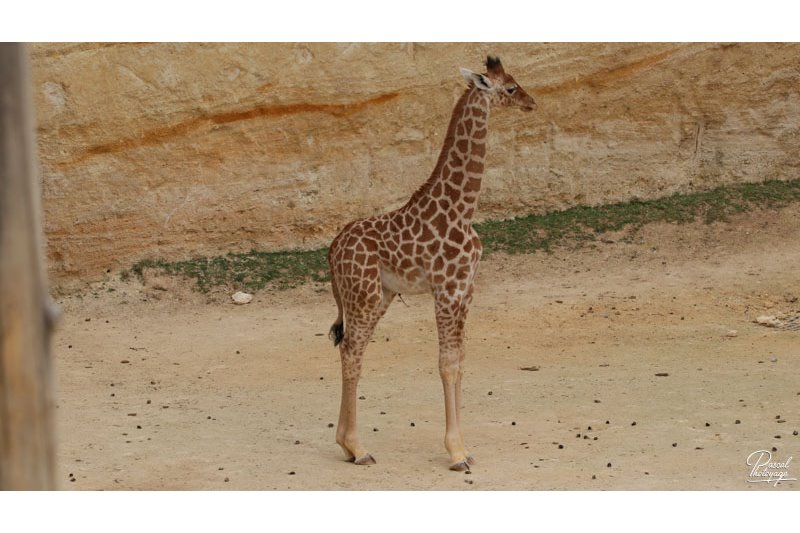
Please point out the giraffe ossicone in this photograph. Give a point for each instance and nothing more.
(428, 245)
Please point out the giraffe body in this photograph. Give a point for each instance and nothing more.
(426, 246)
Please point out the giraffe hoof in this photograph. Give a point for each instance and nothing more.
(366, 459)
(462, 466)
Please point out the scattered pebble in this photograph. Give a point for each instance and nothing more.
(148, 402)
(241, 298)
(662, 374)
(774, 449)
(513, 423)
(608, 465)
(374, 429)
(226, 479)
(773, 359)
(794, 432)
(530, 368)
(594, 476)
(597, 401)
(560, 446)
(330, 424)
(732, 333)
(708, 425)
(362, 397)
(413, 424)
(737, 421)
(124, 361)
(297, 442)
(490, 393)
(608, 422)
(292, 473)
(768, 321)
(468, 481)
(674, 444)
(633, 423)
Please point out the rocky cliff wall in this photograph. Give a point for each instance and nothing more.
(177, 150)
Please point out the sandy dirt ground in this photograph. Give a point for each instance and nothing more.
(635, 380)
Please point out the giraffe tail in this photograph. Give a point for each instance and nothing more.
(336, 333)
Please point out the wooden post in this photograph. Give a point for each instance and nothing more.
(26, 397)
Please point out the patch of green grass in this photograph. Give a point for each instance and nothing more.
(255, 270)
(249, 271)
(582, 223)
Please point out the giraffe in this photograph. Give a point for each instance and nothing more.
(426, 246)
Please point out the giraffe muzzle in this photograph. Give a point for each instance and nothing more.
(530, 105)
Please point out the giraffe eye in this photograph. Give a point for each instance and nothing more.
(512, 89)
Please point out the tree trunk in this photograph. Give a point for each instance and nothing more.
(26, 397)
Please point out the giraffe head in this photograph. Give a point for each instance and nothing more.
(501, 88)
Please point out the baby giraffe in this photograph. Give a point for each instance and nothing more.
(426, 246)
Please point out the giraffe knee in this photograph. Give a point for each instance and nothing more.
(449, 366)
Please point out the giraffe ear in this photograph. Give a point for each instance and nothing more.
(479, 80)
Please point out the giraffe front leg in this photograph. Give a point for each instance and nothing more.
(470, 457)
(450, 319)
(464, 310)
(453, 441)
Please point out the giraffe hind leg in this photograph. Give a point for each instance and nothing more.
(361, 322)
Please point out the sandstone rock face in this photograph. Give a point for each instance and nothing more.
(176, 150)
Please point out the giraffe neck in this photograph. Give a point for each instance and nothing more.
(455, 183)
